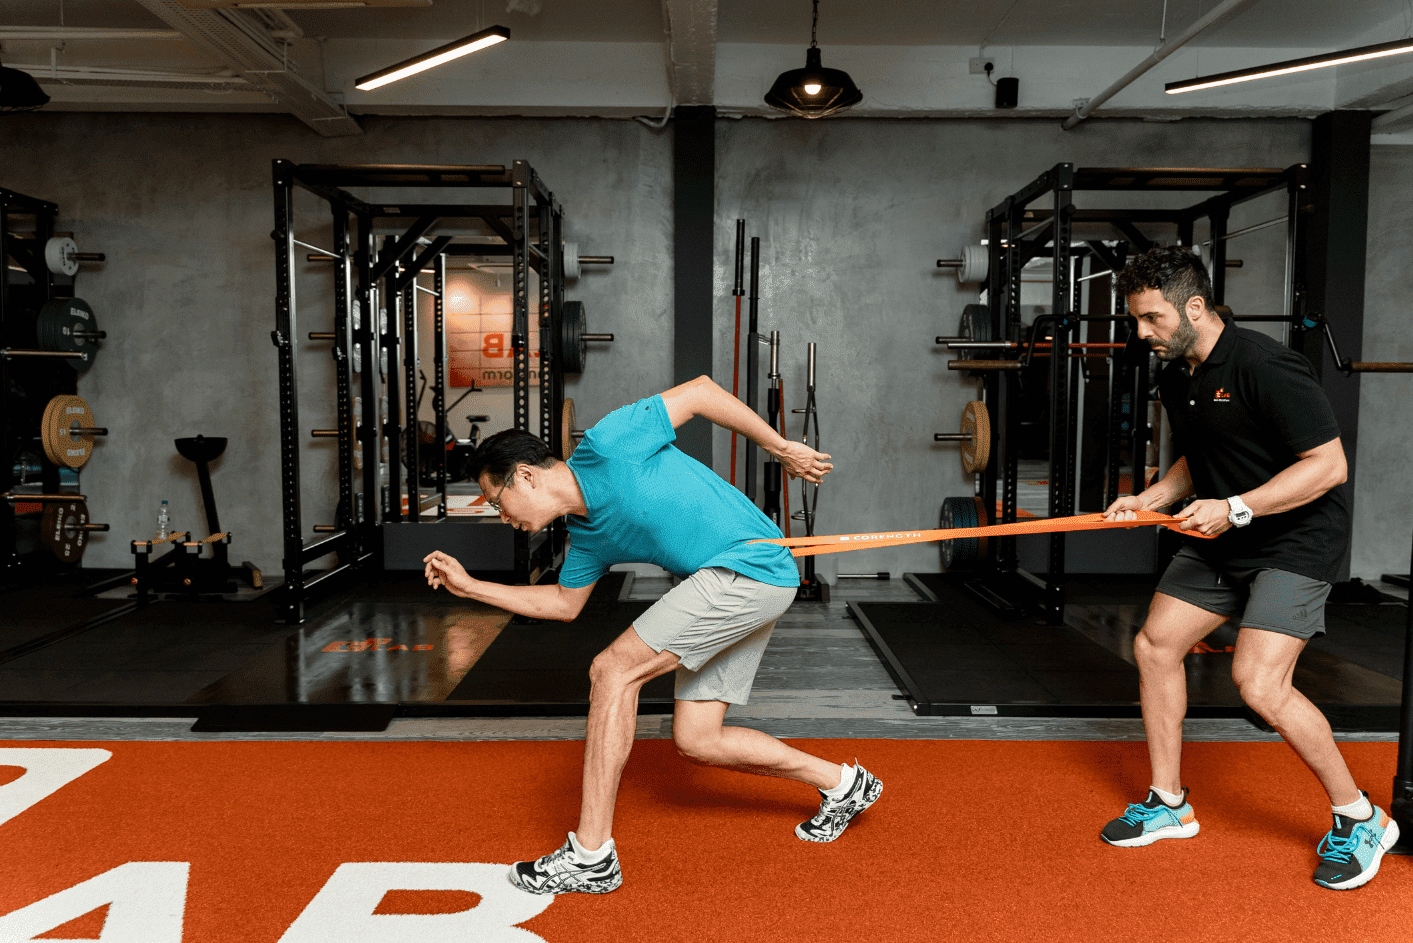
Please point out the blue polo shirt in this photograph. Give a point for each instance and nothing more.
(649, 502)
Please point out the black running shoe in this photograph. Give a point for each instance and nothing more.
(1351, 851)
(835, 814)
(560, 872)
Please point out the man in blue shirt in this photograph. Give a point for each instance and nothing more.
(632, 497)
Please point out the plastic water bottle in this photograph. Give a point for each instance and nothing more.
(162, 522)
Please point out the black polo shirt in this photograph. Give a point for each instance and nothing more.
(1240, 419)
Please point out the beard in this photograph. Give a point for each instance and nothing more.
(1183, 341)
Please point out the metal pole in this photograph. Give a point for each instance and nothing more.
(737, 290)
(753, 362)
(772, 414)
(283, 336)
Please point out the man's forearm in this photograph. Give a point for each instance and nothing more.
(715, 404)
(535, 602)
(1174, 486)
(1297, 485)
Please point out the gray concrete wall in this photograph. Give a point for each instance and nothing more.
(852, 215)
(182, 206)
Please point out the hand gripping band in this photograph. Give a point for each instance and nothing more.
(839, 543)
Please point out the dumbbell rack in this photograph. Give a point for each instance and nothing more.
(37, 373)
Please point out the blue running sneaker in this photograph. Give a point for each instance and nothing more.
(1145, 822)
(1351, 851)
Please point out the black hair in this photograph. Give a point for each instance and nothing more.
(1174, 271)
(499, 454)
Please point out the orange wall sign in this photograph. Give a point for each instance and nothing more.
(479, 316)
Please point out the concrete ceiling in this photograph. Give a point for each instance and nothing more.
(614, 57)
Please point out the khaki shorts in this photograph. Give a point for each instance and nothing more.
(1264, 598)
(718, 623)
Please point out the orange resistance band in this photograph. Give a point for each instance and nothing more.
(839, 543)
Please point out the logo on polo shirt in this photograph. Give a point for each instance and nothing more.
(1221, 396)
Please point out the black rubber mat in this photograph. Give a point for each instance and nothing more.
(1086, 589)
(36, 615)
(952, 656)
(542, 669)
(294, 718)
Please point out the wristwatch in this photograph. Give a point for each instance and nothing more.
(1240, 514)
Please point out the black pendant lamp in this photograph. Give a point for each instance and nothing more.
(814, 91)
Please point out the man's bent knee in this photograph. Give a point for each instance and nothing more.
(1151, 654)
(628, 663)
(1263, 691)
(696, 731)
(697, 747)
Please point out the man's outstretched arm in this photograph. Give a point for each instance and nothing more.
(703, 397)
(536, 602)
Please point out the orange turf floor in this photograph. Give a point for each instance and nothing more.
(971, 841)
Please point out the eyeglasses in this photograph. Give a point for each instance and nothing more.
(495, 502)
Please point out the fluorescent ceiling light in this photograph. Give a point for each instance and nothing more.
(1292, 65)
(430, 60)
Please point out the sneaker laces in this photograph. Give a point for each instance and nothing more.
(1337, 848)
(561, 859)
(1137, 813)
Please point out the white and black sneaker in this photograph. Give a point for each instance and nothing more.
(561, 872)
(835, 814)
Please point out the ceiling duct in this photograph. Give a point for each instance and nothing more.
(243, 41)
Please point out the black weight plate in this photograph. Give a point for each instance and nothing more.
(59, 320)
(961, 552)
(572, 345)
(46, 323)
(62, 530)
(976, 326)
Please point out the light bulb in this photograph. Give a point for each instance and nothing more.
(812, 88)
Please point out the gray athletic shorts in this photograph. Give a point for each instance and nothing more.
(1265, 598)
(718, 623)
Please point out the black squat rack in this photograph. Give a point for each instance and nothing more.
(1016, 234)
(379, 514)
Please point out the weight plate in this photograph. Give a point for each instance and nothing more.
(976, 263)
(61, 415)
(959, 552)
(59, 321)
(567, 443)
(46, 433)
(59, 256)
(975, 326)
(62, 530)
(573, 348)
(571, 261)
(976, 422)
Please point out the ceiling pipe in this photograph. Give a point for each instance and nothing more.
(44, 34)
(1218, 14)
